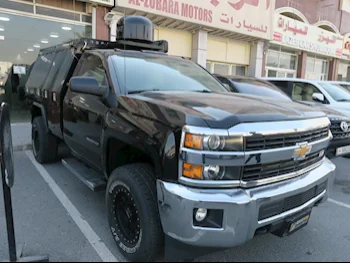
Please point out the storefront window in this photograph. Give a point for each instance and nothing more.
(221, 69)
(22, 36)
(226, 69)
(281, 62)
(287, 61)
(317, 68)
(273, 59)
(344, 71)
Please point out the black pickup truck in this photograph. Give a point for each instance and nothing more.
(187, 166)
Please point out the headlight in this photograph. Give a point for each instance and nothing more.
(213, 142)
(211, 172)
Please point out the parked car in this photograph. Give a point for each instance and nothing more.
(184, 162)
(342, 84)
(340, 124)
(330, 95)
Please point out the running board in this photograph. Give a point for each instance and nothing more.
(87, 175)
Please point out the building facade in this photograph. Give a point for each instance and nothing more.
(311, 39)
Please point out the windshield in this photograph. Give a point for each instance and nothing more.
(259, 88)
(162, 73)
(337, 92)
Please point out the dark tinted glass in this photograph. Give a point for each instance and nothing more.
(93, 67)
(163, 73)
(259, 88)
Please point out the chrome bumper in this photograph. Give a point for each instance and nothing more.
(240, 208)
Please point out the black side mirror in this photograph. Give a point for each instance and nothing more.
(87, 85)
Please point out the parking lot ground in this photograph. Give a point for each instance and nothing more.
(56, 214)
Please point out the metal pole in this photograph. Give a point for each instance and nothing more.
(9, 217)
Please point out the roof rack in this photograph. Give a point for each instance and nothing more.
(90, 44)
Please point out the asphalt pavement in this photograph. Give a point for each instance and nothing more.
(58, 215)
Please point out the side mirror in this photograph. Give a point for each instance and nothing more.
(318, 97)
(87, 85)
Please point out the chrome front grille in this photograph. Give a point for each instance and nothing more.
(337, 131)
(266, 142)
(268, 170)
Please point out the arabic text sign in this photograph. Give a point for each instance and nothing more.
(250, 17)
(293, 33)
(346, 48)
(345, 5)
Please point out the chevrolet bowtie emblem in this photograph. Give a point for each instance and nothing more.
(302, 151)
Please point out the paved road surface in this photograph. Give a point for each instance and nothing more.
(43, 200)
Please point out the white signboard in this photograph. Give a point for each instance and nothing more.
(100, 2)
(21, 70)
(292, 33)
(249, 17)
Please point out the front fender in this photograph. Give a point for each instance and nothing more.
(156, 140)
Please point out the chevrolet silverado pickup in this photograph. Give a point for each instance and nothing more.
(187, 166)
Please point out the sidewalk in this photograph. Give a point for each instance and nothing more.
(21, 136)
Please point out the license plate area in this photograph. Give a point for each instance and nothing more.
(293, 223)
(343, 150)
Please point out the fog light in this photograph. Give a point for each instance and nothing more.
(321, 154)
(201, 214)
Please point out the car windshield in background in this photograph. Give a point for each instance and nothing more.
(259, 88)
(337, 92)
(161, 73)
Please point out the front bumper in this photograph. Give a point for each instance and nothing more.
(240, 208)
(337, 143)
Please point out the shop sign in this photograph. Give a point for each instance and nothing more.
(346, 48)
(345, 5)
(249, 17)
(100, 2)
(298, 35)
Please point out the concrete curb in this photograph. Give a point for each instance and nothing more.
(21, 148)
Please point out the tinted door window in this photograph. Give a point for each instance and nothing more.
(93, 67)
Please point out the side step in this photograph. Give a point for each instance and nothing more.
(87, 175)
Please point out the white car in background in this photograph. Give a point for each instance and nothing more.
(330, 94)
(343, 84)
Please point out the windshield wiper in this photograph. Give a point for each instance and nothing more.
(141, 91)
(343, 100)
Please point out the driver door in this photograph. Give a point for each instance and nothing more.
(84, 114)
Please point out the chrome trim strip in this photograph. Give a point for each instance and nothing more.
(295, 210)
(281, 127)
(282, 177)
(212, 152)
(209, 184)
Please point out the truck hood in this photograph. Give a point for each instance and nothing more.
(222, 110)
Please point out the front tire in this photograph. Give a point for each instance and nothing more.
(133, 212)
(45, 145)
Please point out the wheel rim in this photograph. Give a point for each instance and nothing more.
(126, 216)
(36, 144)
